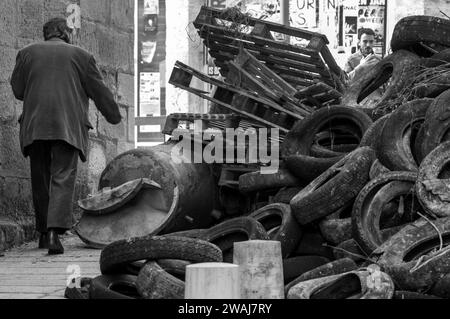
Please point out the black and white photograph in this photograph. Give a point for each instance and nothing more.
(227, 156)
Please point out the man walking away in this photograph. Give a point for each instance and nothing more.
(55, 80)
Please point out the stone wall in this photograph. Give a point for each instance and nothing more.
(106, 31)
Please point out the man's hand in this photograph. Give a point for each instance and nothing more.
(370, 60)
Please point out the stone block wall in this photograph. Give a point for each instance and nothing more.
(107, 31)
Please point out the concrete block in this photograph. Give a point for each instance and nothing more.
(8, 105)
(14, 234)
(12, 161)
(122, 14)
(125, 89)
(16, 201)
(56, 8)
(23, 42)
(113, 131)
(86, 38)
(93, 117)
(31, 18)
(8, 22)
(110, 150)
(116, 49)
(95, 11)
(96, 163)
(7, 63)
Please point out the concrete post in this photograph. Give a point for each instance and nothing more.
(284, 8)
(212, 281)
(261, 269)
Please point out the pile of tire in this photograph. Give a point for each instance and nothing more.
(380, 208)
(360, 204)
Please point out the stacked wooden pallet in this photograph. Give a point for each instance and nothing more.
(226, 33)
(261, 110)
(265, 83)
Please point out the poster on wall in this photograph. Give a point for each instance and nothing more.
(148, 49)
(329, 21)
(150, 94)
(151, 7)
(150, 24)
(259, 9)
(350, 25)
(303, 15)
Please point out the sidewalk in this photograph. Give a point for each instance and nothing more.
(30, 273)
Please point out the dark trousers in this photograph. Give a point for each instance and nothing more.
(53, 174)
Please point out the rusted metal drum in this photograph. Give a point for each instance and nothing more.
(196, 186)
(134, 209)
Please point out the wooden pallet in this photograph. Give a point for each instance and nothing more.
(319, 94)
(247, 72)
(260, 110)
(219, 121)
(299, 66)
(229, 175)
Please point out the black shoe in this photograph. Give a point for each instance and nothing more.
(43, 241)
(54, 245)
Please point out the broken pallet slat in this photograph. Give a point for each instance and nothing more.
(239, 101)
(249, 62)
(230, 90)
(235, 44)
(208, 121)
(205, 30)
(232, 51)
(279, 68)
(239, 77)
(207, 14)
(216, 21)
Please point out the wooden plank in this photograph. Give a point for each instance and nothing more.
(34, 271)
(29, 289)
(44, 253)
(241, 78)
(234, 90)
(207, 12)
(61, 282)
(38, 265)
(206, 30)
(223, 53)
(250, 63)
(331, 62)
(57, 278)
(255, 118)
(21, 296)
(235, 45)
(318, 42)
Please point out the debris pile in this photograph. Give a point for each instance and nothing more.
(360, 203)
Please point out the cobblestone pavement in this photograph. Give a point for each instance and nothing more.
(30, 273)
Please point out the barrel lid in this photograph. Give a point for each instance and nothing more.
(110, 199)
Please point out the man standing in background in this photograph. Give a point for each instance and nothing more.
(55, 80)
(365, 58)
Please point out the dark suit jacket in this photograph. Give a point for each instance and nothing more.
(55, 81)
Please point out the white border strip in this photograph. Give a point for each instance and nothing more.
(136, 69)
